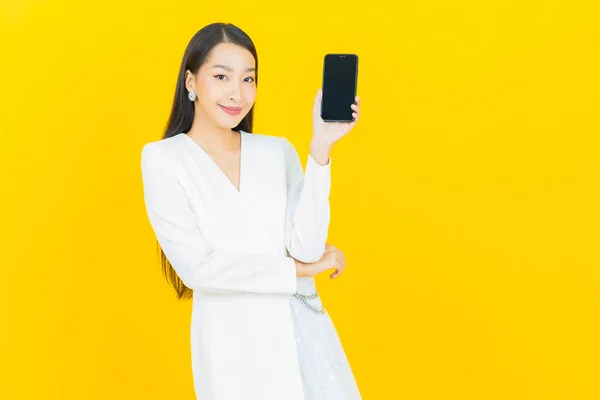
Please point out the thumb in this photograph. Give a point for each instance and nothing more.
(318, 97)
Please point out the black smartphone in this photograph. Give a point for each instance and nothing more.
(340, 77)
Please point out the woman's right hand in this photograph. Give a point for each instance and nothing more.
(332, 258)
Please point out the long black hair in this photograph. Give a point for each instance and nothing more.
(182, 111)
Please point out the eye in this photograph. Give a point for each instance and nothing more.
(251, 79)
(219, 77)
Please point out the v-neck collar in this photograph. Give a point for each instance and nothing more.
(216, 166)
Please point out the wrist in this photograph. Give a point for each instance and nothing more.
(320, 144)
(302, 269)
(320, 151)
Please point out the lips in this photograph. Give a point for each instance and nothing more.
(231, 110)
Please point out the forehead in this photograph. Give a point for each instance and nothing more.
(231, 55)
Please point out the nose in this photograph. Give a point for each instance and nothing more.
(236, 92)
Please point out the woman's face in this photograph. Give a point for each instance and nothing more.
(225, 85)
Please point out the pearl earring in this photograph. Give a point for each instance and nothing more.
(192, 95)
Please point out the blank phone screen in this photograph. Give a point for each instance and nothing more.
(339, 86)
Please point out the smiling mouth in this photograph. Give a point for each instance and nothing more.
(231, 110)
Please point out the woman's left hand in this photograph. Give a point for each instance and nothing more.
(326, 134)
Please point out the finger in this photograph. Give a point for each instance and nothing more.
(335, 274)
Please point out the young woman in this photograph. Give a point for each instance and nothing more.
(243, 228)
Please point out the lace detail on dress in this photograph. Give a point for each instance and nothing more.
(326, 373)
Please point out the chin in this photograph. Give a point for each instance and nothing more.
(230, 124)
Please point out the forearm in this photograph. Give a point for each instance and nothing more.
(308, 209)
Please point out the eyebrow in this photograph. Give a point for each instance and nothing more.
(226, 68)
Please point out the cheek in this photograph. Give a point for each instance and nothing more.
(214, 92)
(250, 94)
(210, 90)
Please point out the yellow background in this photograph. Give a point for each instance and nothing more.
(466, 200)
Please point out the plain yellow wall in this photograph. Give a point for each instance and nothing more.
(466, 200)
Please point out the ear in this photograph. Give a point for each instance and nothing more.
(189, 80)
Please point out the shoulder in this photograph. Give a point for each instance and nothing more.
(159, 152)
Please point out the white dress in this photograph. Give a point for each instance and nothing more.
(253, 334)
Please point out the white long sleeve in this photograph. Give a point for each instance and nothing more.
(308, 208)
(197, 263)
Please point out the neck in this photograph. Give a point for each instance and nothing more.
(212, 137)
